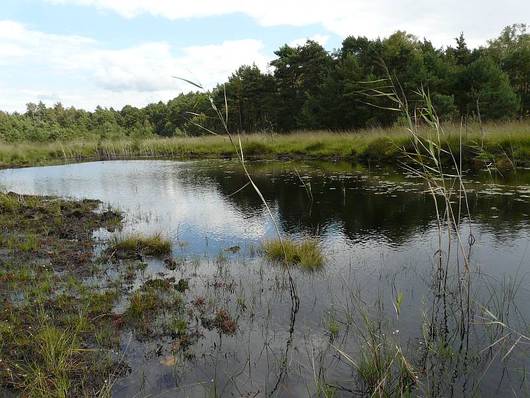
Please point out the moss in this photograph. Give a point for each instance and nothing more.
(52, 325)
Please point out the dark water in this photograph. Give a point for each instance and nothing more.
(378, 230)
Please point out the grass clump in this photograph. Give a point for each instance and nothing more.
(307, 253)
(150, 308)
(48, 346)
(154, 245)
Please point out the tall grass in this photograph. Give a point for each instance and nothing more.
(496, 141)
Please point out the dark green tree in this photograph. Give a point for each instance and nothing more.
(512, 51)
(488, 91)
(251, 98)
(299, 71)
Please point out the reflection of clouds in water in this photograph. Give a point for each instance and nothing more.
(204, 208)
(151, 192)
(375, 245)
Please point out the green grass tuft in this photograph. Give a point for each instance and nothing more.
(307, 253)
(154, 245)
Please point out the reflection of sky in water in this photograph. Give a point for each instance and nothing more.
(153, 196)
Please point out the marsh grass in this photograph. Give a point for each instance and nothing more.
(493, 142)
(50, 374)
(9, 203)
(28, 243)
(46, 342)
(55, 331)
(153, 245)
(306, 253)
(383, 368)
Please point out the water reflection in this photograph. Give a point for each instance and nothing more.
(194, 200)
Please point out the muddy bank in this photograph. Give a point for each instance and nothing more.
(56, 332)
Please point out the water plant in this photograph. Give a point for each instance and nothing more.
(129, 245)
(306, 253)
(450, 337)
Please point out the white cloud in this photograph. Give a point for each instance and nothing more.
(439, 21)
(96, 75)
(17, 42)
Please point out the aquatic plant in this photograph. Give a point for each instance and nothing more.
(153, 245)
(383, 365)
(224, 322)
(306, 253)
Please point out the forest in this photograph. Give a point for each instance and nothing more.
(309, 88)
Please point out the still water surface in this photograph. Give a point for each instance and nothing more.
(377, 228)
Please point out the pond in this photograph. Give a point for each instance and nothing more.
(379, 234)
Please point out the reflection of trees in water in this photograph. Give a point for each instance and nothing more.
(357, 205)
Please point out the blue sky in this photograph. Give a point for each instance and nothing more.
(117, 52)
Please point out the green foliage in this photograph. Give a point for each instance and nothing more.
(250, 96)
(298, 73)
(365, 146)
(511, 50)
(488, 90)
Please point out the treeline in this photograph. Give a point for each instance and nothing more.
(311, 88)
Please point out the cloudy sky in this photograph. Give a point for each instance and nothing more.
(117, 52)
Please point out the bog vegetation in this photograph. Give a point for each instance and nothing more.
(503, 145)
(311, 88)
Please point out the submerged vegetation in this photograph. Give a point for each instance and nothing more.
(451, 337)
(306, 253)
(78, 328)
(65, 312)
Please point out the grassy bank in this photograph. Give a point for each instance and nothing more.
(493, 143)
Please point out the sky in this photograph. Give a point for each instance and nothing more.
(85, 53)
